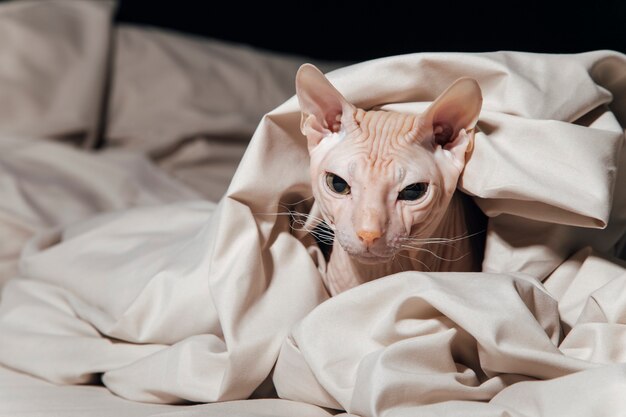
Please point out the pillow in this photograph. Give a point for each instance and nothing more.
(192, 104)
(53, 58)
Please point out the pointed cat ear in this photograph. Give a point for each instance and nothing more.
(324, 109)
(454, 113)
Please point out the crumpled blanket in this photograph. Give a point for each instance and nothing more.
(179, 299)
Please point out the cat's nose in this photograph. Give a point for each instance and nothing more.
(368, 237)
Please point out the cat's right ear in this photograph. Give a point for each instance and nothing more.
(452, 115)
(324, 109)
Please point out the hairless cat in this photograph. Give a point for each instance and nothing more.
(385, 182)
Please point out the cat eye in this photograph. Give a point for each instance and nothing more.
(413, 192)
(337, 184)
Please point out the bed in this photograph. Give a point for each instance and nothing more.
(147, 270)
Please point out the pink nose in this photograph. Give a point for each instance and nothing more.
(368, 237)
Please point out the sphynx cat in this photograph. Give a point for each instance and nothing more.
(385, 182)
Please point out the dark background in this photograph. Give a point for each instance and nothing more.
(355, 31)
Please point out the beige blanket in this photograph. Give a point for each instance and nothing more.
(169, 298)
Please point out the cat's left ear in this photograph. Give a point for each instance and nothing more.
(453, 115)
(324, 109)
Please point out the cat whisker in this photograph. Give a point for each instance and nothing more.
(427, 242)
(300, 226)
(296, 216)
(441, 239)
(397, 261)
(320, 234)
(420, 245)
(427, 239)
(449, 242)
(441, 258)
(416, 260)
(300, 222)
(451, 245)
(300, 201)
(307, 216)
(324, 239)
(271, 214)
(309, 227)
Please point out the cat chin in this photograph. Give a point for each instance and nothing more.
(370, 259)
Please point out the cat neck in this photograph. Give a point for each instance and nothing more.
(451, 253)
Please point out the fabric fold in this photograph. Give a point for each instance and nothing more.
(425, 338)
(118, 270)
(53, 68)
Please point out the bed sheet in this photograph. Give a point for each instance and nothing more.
(120, 264)
(24, 396)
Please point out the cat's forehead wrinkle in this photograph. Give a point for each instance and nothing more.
(381, 141)
(385, 130)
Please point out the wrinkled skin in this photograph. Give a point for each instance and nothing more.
(378, 154)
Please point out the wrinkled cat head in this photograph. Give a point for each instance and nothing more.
(380, 176)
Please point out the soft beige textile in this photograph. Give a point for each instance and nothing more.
(188, 104)
(438, 337)
(53, 59)
(46, 185)
(178, 299)
(192, 104)
(24, 396)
